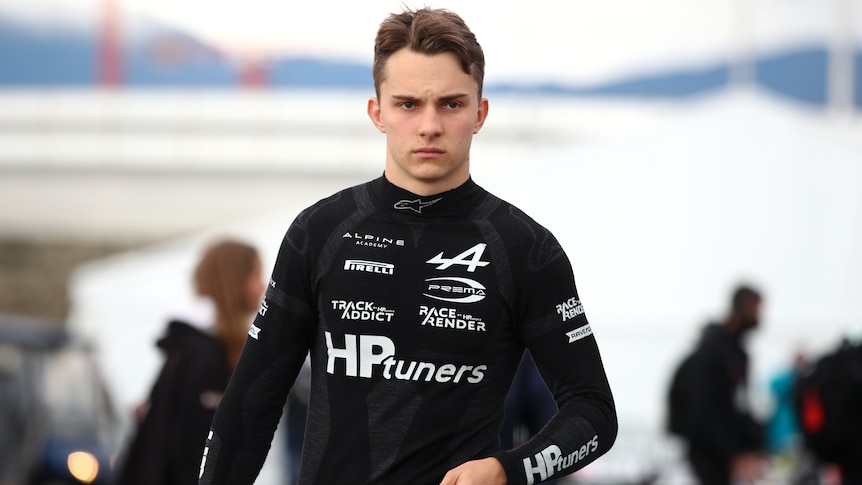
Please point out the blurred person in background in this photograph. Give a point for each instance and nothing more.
(828, 394)
(708, 402)
(202, 345)
(416, 295)
(782, 427)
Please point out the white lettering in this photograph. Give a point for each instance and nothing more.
(362, 354)
(551, 460)
(570, 309)
(369, 266)
(579, 333)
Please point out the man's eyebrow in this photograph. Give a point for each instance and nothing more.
(440, 100)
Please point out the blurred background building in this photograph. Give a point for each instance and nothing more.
(674, 147)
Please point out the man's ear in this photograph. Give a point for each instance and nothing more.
(481, 115)
(375, 115)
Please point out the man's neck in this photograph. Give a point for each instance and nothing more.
(425, 189)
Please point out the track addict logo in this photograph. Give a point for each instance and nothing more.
(550, 461)
(374, 355)
(364, 311)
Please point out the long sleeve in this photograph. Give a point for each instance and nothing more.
(248, 415)
(561, 341)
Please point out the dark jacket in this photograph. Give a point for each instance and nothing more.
(711, 401)
(168, 444)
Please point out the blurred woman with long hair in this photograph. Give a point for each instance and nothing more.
(202, 344)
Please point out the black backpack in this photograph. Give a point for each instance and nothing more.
(677, 420)
(828, 397)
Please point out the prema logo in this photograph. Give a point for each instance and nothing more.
(455, 289)
(374, 355)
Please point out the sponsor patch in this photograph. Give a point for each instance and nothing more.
(369, 266)
(579, 333)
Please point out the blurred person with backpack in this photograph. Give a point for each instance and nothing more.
(202, 344)
(708, 404)
(829, 398)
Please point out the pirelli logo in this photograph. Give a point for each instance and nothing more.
(369, 266)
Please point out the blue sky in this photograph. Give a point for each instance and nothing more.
(523, 41)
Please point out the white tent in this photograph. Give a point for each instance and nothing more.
(659, 224)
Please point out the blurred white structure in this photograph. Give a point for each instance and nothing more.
(662, 208)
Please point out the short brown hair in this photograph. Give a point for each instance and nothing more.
(428, 31)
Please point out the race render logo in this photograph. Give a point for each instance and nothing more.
(373, 241)
(570, 309)
(369, 266)
(450, 318)
(368, 356)
(364, 311)
(551, 461)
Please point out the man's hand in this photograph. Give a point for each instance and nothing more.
(487, 471)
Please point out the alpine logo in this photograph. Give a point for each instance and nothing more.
(254, 331)
(579, 333)
(369, 266)
(454, 289)
(471, 258)
(372, 240)
(415, 205)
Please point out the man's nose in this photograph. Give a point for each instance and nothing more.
(430, 123)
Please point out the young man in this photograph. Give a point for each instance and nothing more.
(416, 295)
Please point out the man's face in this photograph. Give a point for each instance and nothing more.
(751, 314)
(429, 109)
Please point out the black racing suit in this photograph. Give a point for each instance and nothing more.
(416, 311)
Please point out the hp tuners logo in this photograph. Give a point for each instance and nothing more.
(374, 355)
(551, 461)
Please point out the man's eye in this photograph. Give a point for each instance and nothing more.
(408, 105)
(453, 105)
